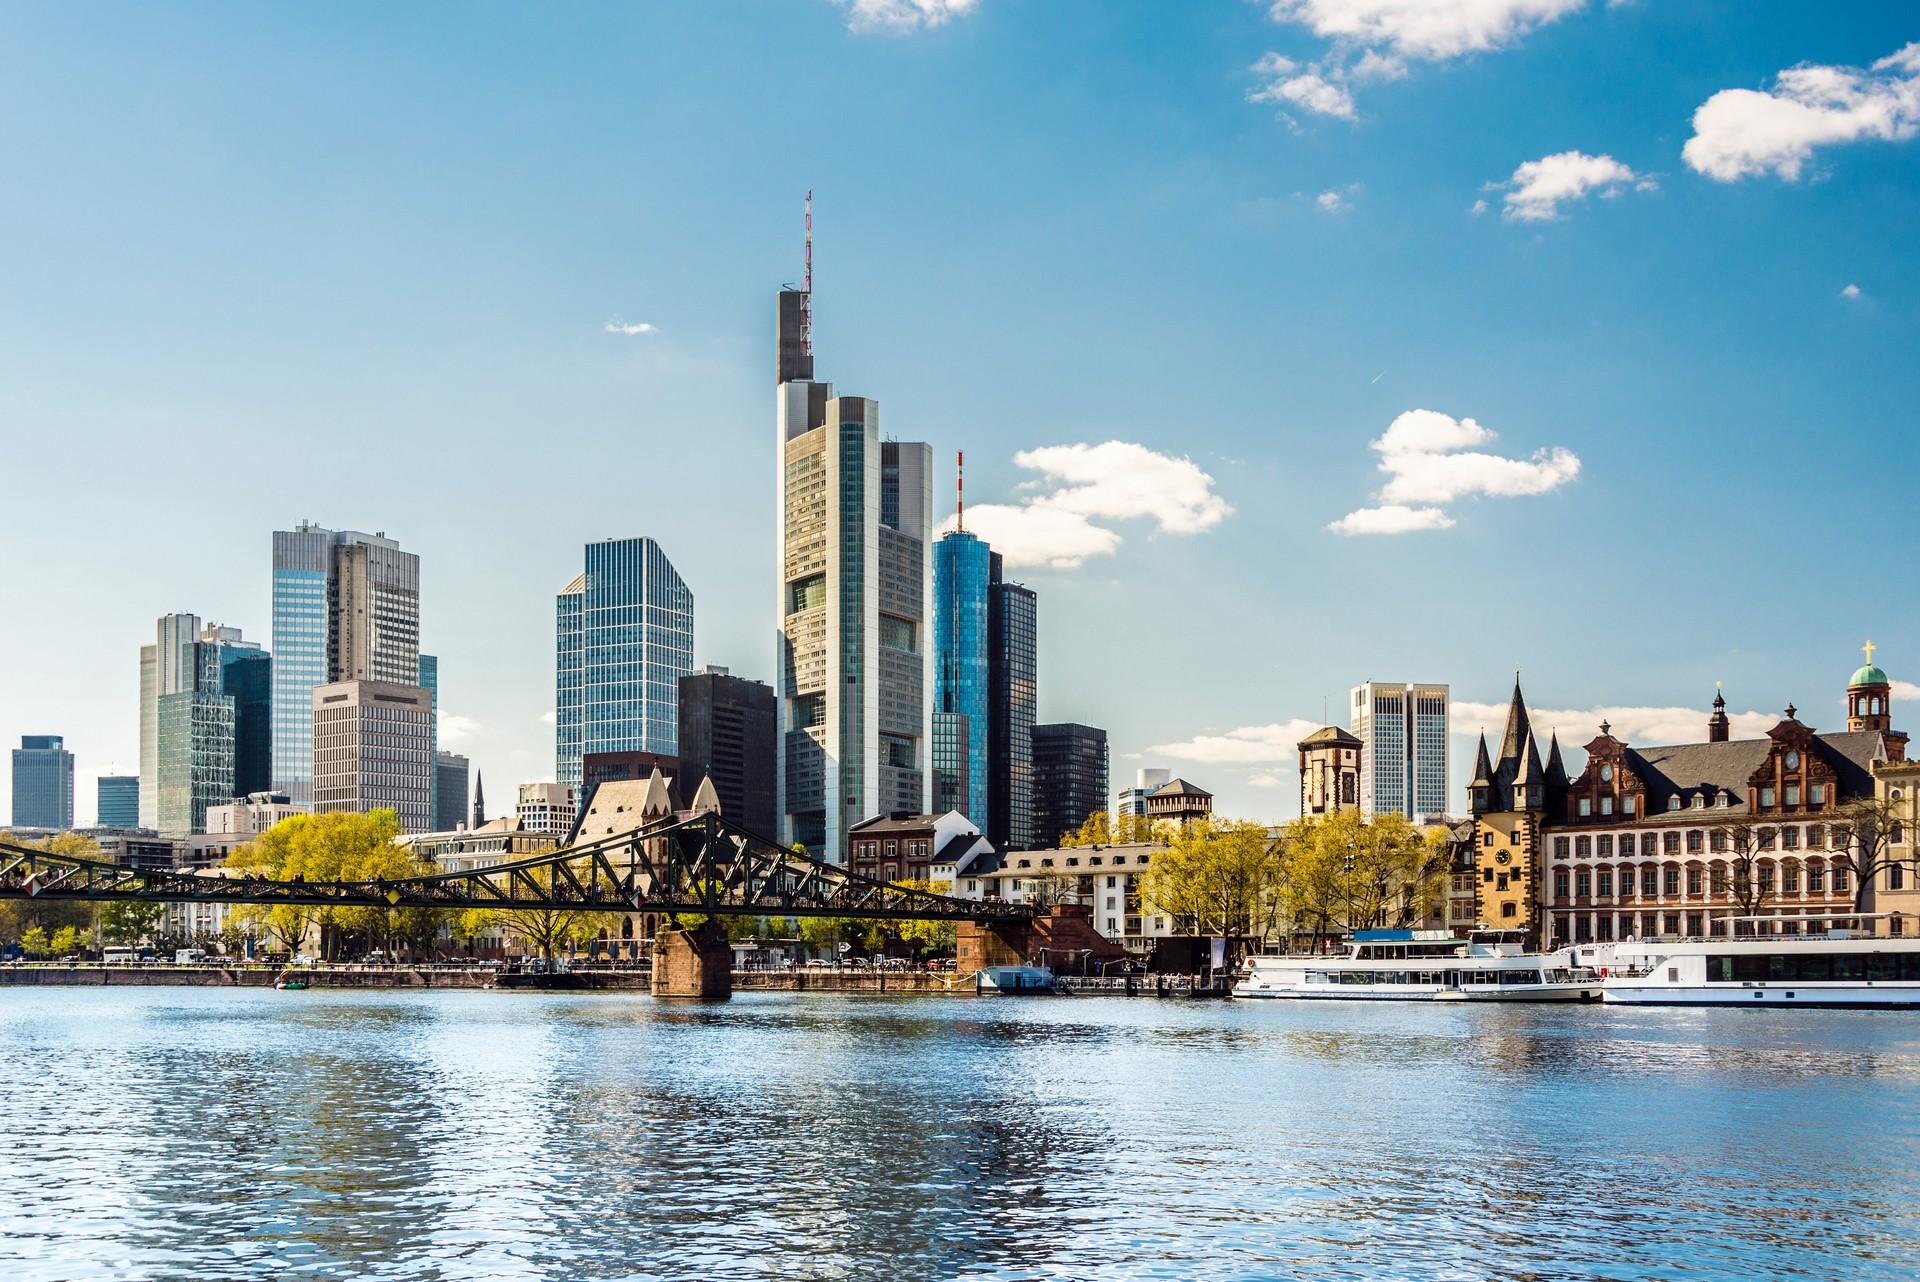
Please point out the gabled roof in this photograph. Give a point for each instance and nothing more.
(1331, 734)
(1177, 786)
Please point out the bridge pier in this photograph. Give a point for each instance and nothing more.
(695, 963)
(980, 944)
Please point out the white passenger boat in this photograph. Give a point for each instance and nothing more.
(1021, 980)
(1424, 965)
(1837, 968)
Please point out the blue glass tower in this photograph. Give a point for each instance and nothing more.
(301, 558)
(430, 682)
(962, 567)
(42, 782)
(623, 638)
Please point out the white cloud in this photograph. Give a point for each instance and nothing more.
(896, 17)
(1276, 743)
(1748, 133)
(1539, 187)
(1851, 291)
(1392, 518)
(1082, 485)
(1270, 778)
(1479, 208)
(1335, 200)
(1374, 40)
(548, 717)
(1426, 30)
(457, 731)
(1426, 459)
(1639, 726)
(618, 326)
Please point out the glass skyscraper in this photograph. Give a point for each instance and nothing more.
(623, 638)
(206, 734)
(346, 607)
(1012, 678)
(962, 573)
(430, 682)
(42, 782)
(117, 801)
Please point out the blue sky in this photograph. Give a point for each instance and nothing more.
(356, 263)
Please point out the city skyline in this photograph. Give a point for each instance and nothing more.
(1259, 328)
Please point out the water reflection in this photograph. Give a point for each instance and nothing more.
(478, 1135)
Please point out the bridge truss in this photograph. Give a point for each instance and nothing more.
(700, 863)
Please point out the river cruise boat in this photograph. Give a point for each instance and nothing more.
(1424, 965)
(1850, 968)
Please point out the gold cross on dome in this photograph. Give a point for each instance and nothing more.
(1868, 650)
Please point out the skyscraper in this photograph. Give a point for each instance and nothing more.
(1403, 761)
(623, 638)
(1012, 633)
(206, 726)
(430, 682)
(449, 791)
(117, 802)
(1069, 778)
(42, 782)
(727, 735)
(962, 572)
(346, 606)
(852, 603)
(372, 750)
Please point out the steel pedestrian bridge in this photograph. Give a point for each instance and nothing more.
(701, 863)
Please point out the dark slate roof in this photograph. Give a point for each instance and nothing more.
(894, 823)
(956, 846)
(1331, 734)
(1683, 769)
(1176, 786)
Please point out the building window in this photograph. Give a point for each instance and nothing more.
(1790, 839)
(1816, 880)
(1816, 836)
(1766, 798)
(1672, 881)
(1560, 847)
(1560, 884)
(1790, 879)
(1817, 793)
(1673, 802)
(1766, 839)
(1508, 910)
(1582, 846)
(1693, 841)
(1628, 805)
(1649, 882)
(1718, 880)
(1839, 881)
(1671, 840)
(1693, 881)
(1586, 807)
(1606, 805)
(1605, 878)
(1583, 884)
(1604, 844)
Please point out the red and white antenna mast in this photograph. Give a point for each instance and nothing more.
(806, 303)
(960, 490)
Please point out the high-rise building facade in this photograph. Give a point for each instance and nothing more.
(1403, 760)
(852, 605)
(727, 735)
(346, 607)
(42, 782)
(206, 723)
(1013, 695)
(1069, 778)
(373, 750)
(546, 808)
(962, 575)
(449, 791)
(430, 682)
(623, 638)
(117, 801)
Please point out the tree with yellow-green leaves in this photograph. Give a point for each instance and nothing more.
(337, 846)
(18, 916)
(1103, 829)
(1339, 872)
(554, 929)
(1216, 877)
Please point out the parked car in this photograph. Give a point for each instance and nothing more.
(819, 963)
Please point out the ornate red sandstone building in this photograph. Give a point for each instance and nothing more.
(1671, 840)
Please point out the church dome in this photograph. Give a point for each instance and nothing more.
(1871, 675)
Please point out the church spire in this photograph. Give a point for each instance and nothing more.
(1482, 767)
(1556, 768)
(1519, 729)
(479, 800)
(1718, 727)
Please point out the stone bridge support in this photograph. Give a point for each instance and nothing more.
(980, 944)
(695, 963)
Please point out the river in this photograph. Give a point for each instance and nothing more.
(208, 1133)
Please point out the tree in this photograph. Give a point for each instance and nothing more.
(1340, 872)
(131, 921)
(34, 942)
(1864, 841)
(17, 916)
(1217, 877)
(65, 940)
(1103, 829)
(1051, 888)
(1741, 839)
(337, 846)
(550, 929)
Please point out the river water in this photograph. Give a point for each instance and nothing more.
(202, 1133)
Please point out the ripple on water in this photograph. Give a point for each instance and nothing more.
(198, 1133)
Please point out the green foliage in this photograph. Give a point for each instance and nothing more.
(131, 921)
(337, 846)
(1103, 829)
(18, 916)
(1338, 872)
(1217, 877)
(34, 943)
(65, 940)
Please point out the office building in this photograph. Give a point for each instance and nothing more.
(545, 808)
(1132, 802)
(449, 791)
(1012, 623)
(42, 783)
(373, 750)
(727, 736)
(117, 801)
(430, 682)
(962, 576)
(346, 607)
(623, 638)
(1069, 778)
(852, 606)
(250, 815)
(1403, 759)
(206, 722)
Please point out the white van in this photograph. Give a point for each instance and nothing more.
(189, 957)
